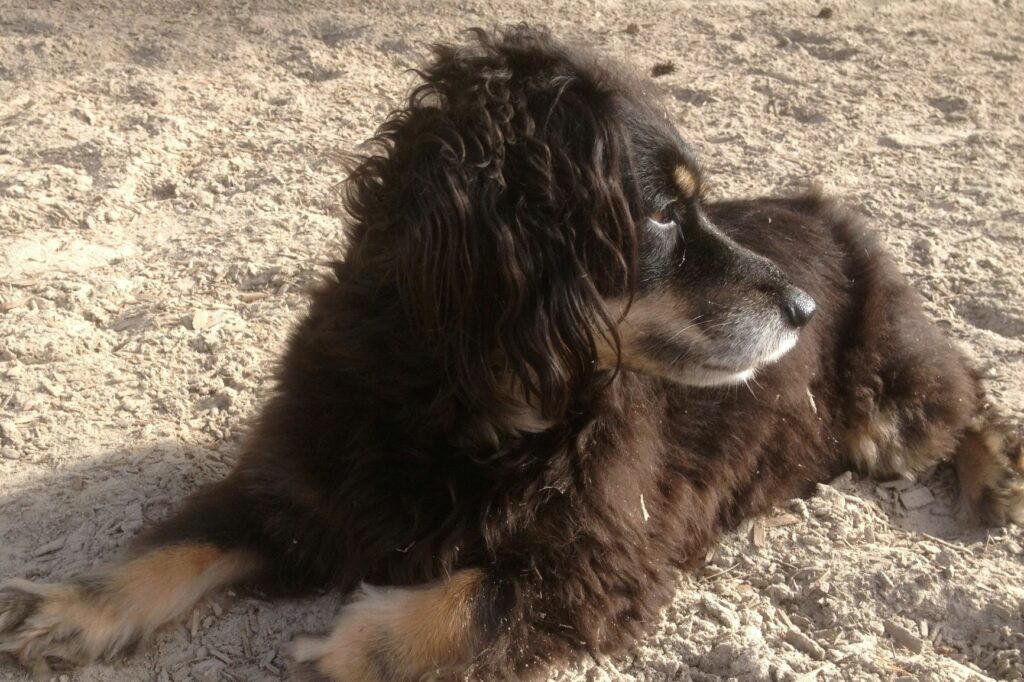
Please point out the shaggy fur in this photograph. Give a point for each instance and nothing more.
(515, 404)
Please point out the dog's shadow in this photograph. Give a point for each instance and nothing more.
(56, 523)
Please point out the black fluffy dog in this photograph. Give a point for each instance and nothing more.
(505, 410)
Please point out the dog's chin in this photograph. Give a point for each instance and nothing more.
(726, 371)
(704, 375)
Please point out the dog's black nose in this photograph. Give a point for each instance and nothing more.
(798, 306)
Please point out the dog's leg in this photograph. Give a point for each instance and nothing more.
(905, 436)
(401, 633)
(496, 623)
(914, 400)
(107, 612)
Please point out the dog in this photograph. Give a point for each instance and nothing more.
(510, 417)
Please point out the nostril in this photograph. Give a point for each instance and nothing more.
(798, 306)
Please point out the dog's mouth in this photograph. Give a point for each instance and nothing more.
(716, 348)
(736, 361)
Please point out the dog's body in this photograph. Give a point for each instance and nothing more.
(517, 404)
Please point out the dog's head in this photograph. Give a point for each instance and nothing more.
(541, 222)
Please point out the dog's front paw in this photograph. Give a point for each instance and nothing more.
(359, 649)
(55, 627)
(991, 471)
(397, 634)
(1002, 501)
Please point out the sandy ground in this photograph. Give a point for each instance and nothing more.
(168, 190)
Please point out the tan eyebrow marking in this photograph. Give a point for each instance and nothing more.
(686, 181)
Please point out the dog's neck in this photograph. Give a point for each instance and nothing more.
(511, 416)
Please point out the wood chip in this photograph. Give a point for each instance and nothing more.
(266, 660)
(200, 320)
(897, 484)
(781, 520)
(250, 296)
(51, 388)
(721, 613)
(246, 644)
(49, 547)
(758, 533)
(805, 644)
(903, 636)
(8, 307)
(915, 498)
(972, 674)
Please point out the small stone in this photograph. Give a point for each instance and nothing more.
(632, 29)
(825, 13)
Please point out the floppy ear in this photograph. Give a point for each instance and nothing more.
(501, 186)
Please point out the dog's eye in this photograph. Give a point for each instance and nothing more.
(659, 222)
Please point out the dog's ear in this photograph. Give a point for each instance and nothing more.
(499, 192)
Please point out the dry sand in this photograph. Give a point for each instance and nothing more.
(168, 190)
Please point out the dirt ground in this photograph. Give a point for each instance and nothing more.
(169, 188)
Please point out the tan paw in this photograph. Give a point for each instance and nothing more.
(397, 634)
(1002, 501)
(990, 465)
(56, 627)
(105, 615)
